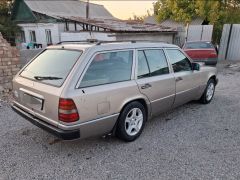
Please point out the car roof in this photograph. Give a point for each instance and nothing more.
(111, 45)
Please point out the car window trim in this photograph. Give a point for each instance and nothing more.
(183, 54)
(149, 48)
(91, 59)
(149, 72)
(165, 59)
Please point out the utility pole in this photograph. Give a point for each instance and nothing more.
(87, 9)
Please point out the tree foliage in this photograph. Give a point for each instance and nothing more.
(137, 18)
(7, 27)
(140, 18)
(216, 12)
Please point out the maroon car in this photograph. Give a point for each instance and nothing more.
(201, 51)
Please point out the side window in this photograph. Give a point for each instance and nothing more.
(108, 68)
(32, 36)
(22, 36)
(152, 63)
(179, 61)
(157, 62)
(143, 69)
(48, 36)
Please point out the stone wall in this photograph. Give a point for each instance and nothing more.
(9, 64)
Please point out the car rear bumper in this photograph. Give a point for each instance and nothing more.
(94, 127)
(63, 134)
(207, 61)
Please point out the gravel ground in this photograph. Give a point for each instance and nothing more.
(191, 142)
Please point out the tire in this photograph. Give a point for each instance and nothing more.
(131, 122)
(209, 92)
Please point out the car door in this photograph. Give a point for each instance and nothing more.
(187, 80)
(105, 85)
(155, 79)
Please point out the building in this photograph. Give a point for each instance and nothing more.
(46, 22)
(191, 31)
(37, 18)
(115, 29)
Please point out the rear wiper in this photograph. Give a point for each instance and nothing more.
(40, 78)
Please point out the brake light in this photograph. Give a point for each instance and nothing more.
(67, 111)
(213, 54)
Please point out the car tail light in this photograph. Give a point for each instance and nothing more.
(213, 54)
(67, 111)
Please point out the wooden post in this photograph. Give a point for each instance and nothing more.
(75, 25)
(187, 32)
(87, 9)
(66, 23)
(229, 41)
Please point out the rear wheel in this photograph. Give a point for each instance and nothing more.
(209, 92)
(131, 122)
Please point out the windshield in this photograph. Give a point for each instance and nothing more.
(199, 45)
(52, 66)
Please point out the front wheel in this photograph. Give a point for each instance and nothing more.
(209, 92)
(131, 122)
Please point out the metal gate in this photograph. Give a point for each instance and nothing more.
(199, 33)
(230, 40)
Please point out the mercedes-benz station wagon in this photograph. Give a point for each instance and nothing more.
(77, 90)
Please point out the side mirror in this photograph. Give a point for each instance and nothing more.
(196, 67)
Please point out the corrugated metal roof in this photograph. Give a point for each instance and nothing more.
(172, 23)
(151, 19)
(117, 25)
(197, 21)
(68, 8)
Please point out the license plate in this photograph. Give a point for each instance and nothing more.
(33, 102)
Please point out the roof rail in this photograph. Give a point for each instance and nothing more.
(151, 41)
(87, 41)
(131, 41)
(101, 42)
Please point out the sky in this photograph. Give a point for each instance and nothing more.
(124, 9)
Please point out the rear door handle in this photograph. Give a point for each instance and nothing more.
(179, 79)
(145, 86)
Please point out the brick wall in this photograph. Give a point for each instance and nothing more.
(9, 64)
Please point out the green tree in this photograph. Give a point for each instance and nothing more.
(140, 18)
(216, 12)
(7, 27)
(137, 18)
(178, 10)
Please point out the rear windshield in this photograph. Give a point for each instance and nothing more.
(52, 66)
(199, 45)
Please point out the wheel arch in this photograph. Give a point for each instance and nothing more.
(143, 100)
(214, 77)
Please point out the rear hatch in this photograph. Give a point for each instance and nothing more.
(38, 86)
(202, 54)
(200, 50)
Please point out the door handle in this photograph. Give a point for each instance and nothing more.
(145, 86)
(179, 79)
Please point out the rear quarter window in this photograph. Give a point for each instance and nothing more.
(52, 66)
(109, 67)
